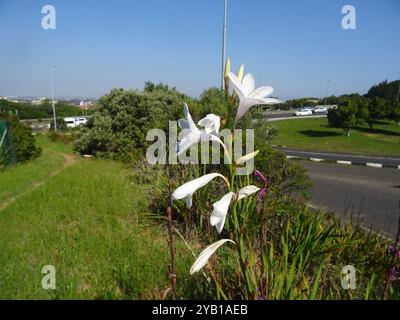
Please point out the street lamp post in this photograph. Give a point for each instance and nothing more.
(224, 45)
(327, 90)
(52, 96)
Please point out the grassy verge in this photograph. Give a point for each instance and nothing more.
(88, 222)
(22, 177)
(316, 135)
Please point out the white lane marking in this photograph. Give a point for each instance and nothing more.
(292, 157)
(343, 162)
(316, 159)
(374, 165)
(343, 155)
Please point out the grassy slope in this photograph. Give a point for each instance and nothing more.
(87, 222)
(316, 135)
(20, 178)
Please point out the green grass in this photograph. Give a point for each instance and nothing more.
(316, 135)
(88, 222)
(21, 177)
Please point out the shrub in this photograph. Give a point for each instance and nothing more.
(61, 124)
(23, 140)
(122, 119)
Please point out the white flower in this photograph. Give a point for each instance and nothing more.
(247, 191)
(248, 95)
(186, 190)
(205, 255)
(192, 134)
(220, 211)
(211, 124)
(221, 207)
(246, 158)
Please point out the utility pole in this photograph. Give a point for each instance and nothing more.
(224, 44)
(52, 97)
(326, 96)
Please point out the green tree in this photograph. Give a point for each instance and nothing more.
(395, 111)
(344, 116)
(385, 90)
(377, 110)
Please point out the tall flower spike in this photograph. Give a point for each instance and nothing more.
(248, 95)
(186, 190)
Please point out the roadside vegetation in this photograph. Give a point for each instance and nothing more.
(109, 225)
(317, 135)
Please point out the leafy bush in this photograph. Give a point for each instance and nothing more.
(61, 124)
(122, 119)
(23, 140)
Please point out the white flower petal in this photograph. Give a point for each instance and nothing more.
(261, 92)
(237, 85)
(183, 124)
(246, 104)
(188, 140)
(248, 84)
(191, 124)
(220, 211)
(271, 101)
(246, 158)
(211, 123)
(186, 190)
(205, 255)
(247, 191)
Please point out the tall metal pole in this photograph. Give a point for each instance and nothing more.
(326, 94)
(52, 97)
(224, 44)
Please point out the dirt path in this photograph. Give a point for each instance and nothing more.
(69, 160)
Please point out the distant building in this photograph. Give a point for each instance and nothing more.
(86, 104)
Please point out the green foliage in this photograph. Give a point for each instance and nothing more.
(43, 111)
(61, 124)
(343, 117)
(122, 119)
(23, 140)
(385, 90)
(377, 110)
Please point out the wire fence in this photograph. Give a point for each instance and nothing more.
(7, 150)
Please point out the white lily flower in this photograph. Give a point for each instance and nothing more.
(192, 134)
(247, 157)
(186, 190)
(220, 211)
(247, 191)
(211, 124)
(248, 95)
(205, 255)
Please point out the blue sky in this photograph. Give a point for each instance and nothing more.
(293, 46)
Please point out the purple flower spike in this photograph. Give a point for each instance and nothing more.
(261, 194)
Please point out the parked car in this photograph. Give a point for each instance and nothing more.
(303, 112)
(320, 109)
(73, 122)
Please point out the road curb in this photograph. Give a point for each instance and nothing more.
(346, 162)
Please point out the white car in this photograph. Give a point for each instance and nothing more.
(303, 112)
(320, 110)
(73, 122)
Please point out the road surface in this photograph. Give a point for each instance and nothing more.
(372, 192)
(393, 162)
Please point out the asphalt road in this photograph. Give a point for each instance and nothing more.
(350, 190)
(355, 159)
